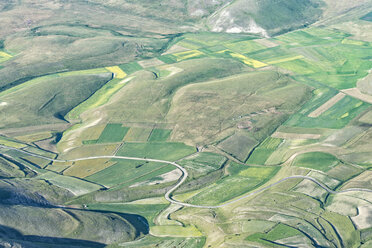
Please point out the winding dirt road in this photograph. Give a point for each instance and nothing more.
(182, 179)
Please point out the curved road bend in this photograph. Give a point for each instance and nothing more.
(185, 174)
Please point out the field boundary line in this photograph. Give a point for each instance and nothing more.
(327, 105)
(356, 93)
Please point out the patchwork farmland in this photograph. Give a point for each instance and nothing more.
(195, 139)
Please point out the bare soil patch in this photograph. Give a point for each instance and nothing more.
(355, 92)
(150, 62)
(266, 42)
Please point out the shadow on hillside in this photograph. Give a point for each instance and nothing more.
(138, 221)
(15, 235)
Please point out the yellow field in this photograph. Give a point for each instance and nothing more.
(107, 95)
(358, 104)
(285, 59)
(353, 42)
(87, 167)
(222, 51)
(118, 73)
(248, 61)
(175, 231)
(87, 151)
(99, 98)
(188, 54)
(5, 55)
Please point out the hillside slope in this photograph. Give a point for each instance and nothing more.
(57, 36)
(252, 16)
(29, 210)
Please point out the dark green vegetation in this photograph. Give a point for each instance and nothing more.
(159, 135)
(367, 17)
(316, 160)
(113, 133)
(264, 150)
(130, 67)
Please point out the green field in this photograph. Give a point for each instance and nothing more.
(113, 133)
(244, 46)
(261, 153)
(168, 59)
(301, 37)
(321, 96)
(280, 231)
(211, 50)
(316, 160)
(159, 135)
(271, 54)
(164, 151)
(338, 116)
(9, 169)
(345, 227)
(100, 97)
(242, 179)
(130, 67)
(128, 171)
(240, 93)
(329, 58)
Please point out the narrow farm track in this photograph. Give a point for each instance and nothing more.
(184, 175)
